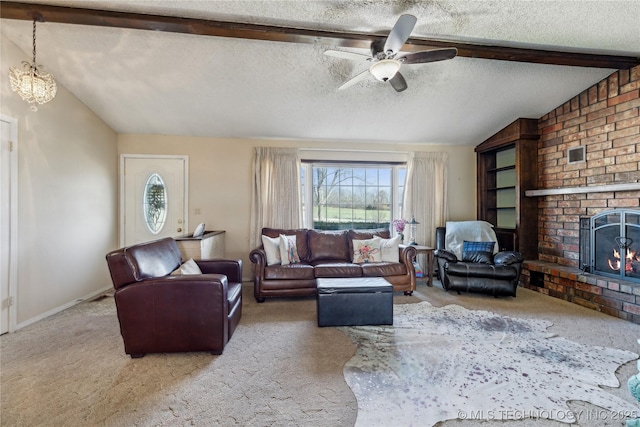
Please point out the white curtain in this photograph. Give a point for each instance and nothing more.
(275, 200)
(425, 195)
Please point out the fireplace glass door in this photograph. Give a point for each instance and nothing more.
(615, 244)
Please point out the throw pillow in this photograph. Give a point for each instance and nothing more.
(288, 250)
(481, 257)
(271, 247)
(365, 251)
(390, 249)
(187, 268)
(477, 246)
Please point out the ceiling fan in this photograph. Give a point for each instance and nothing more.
(386, 58)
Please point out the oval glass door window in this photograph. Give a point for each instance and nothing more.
(155, 203)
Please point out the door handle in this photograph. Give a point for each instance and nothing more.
(179, 230)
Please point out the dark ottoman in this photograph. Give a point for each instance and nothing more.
(355, 301)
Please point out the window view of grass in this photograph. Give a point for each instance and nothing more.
(352, 197)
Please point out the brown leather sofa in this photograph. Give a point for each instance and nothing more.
(326, 254)
(163, 313)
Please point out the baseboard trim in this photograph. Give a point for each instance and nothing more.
(61, 308)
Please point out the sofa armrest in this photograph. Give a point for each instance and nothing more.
(259, 258)
(446, 255)
(165, 313)
(507, 258)
(407, 255)
(232, 268)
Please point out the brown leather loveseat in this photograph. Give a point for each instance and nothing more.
(163, 313)
(326, 254)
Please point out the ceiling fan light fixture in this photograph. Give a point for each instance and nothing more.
(32, 84)
(385, 70)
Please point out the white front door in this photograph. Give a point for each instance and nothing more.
(154, 192)
(8, 260)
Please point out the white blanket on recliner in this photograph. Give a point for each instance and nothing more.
(472, 231)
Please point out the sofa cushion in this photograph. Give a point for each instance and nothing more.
(383, 269)
(301, 239)
(338, 269)
(234, 294)
(289, 272)
(329, 245)
(153, 259)
(369, 234)
(481, 257)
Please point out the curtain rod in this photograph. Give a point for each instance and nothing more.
(346, 150)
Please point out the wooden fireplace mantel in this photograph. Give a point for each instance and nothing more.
(633, 186)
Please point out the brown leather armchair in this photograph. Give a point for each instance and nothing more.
(162, 313)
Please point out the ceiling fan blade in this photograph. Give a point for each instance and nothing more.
(355, 80)
(398, 82)
(346, 55)
(400, 33)
(429, 56)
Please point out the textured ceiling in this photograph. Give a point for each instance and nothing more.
(154, 82)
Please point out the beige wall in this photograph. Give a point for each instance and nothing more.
(220, 178)
(67, 193)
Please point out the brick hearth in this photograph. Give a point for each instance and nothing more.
(611, 296)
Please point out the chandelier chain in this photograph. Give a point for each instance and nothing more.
(34, 42)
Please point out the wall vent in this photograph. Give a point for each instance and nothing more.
(575, 155)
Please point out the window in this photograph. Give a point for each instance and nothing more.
(155, 203)
(342, 196)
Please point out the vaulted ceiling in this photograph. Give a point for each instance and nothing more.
(257, 69)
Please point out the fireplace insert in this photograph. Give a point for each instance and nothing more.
(614, 244)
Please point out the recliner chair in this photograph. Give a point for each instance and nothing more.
(162, 313)
(496, 275)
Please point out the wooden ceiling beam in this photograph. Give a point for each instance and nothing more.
(138, 21)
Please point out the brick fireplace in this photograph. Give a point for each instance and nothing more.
(605, 120)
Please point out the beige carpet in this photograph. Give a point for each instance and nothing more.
(279, 369)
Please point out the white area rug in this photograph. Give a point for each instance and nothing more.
(442, 363)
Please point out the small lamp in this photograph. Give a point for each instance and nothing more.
(412, 231)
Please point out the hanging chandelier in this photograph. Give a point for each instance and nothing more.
(32, 84)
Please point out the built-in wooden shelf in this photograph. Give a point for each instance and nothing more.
(506, 168)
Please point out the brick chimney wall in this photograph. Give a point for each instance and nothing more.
(604, 119)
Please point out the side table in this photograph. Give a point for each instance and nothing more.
(428, 251)
(208, 246)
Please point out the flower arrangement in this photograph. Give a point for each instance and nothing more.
(399, 225)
